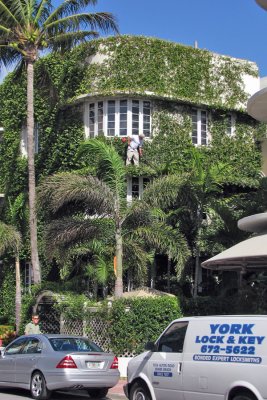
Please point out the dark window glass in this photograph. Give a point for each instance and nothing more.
(32, 346)
(145, 182)
(100, 116)
(92, 120)
(16, 347)
(74, 344)
(135, 117)
(123, 117)
(135, 187)
(111, 118)
(173, 339)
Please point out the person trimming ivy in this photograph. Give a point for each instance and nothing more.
(134, 151)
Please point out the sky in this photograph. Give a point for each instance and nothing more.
(236, 28)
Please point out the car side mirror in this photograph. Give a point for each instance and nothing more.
(2, 353)
(150, 346)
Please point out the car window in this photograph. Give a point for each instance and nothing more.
(33, 346)
(173, 339)
(16, 347)
(74, 344)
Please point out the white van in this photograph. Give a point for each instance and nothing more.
(201, 358)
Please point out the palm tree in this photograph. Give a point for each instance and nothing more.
(28, 27)
(188, 197)
(11, 240)
(97, 206)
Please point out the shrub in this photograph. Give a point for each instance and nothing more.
(133, 322)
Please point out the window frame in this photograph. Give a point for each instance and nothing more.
(92, 121)
(230, 124)
(182, 325)
(201, 140)
(140, 184)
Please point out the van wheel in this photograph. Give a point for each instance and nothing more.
(139, 392)
(244, 396)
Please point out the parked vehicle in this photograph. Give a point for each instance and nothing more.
(43, 363)
(195, 358)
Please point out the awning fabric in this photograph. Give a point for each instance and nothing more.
(248, 254)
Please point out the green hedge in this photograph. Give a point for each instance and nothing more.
(133, 322)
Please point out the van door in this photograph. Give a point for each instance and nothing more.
(166, 363)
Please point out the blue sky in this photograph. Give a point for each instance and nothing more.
(237, 28)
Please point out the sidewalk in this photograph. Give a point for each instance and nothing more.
(118, 389)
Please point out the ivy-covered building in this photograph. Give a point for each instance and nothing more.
(178, 96)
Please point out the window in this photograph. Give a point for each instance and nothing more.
(111, 118)
(199, 127)
(135, 187)
(16, 347)
(24, 141)
(172, 340)
(28, 275)
(230, 127)
(74, 344)
(33, 346)
(120, 117)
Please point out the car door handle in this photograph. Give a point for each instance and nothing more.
(179, 368)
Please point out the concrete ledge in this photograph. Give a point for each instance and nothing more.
(256, 105)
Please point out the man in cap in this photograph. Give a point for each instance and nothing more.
(134, 151)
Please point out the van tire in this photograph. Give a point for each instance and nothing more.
(244, 396)
(139, 391)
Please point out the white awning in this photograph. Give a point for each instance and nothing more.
(248, 254)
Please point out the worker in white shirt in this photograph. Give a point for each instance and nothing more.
(134, 151)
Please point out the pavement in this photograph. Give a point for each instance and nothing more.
(118, 389)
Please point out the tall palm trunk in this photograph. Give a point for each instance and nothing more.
(118, 283)
(18, 295)
(31, 174)
(197, 260)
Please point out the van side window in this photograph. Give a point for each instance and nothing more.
(173, 339)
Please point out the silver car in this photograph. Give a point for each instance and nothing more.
(43, 363)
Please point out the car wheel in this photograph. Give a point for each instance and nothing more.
(244, 396)
(98, 393)
(139, 391)
(38, 387)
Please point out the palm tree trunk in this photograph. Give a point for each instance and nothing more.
(118, 283)
(31, 174)
(197, 266)
(169, 274)
(18, 295)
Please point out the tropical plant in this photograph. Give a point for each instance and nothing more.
(28, 27)
(190, 198)
(11, 240)
(96, 208)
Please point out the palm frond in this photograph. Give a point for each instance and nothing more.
(67, 232)
(62, 189)
(10, 238)
(110, 166)
(163, 191)
(42, 12)
(64, 41)
(8, 12)
(103, 269)
(69, 7)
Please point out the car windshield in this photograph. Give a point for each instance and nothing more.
(74, 344)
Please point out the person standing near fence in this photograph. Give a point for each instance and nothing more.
(33, 326)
